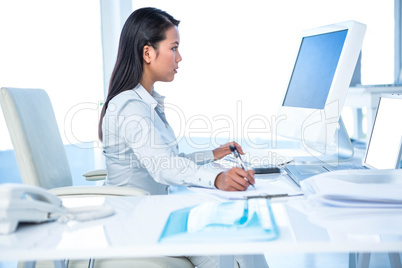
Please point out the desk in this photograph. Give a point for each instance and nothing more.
(135, 228)
(366, 97)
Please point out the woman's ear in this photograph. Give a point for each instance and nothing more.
(147, 53)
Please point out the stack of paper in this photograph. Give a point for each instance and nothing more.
(341, 191)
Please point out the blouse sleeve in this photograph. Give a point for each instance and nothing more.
(139, 133)
(200, 158)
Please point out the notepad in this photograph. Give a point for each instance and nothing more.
(240, 220)
(276, 185)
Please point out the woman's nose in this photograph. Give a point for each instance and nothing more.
(178, 57)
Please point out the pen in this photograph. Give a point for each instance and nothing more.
(285, 163)
(236, 154)
(269, 196)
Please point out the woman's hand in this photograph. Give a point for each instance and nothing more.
(224, 150)
(235, 179)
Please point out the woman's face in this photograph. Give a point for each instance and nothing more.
(166, 58)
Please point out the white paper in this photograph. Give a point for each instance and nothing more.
(336, 192)
(272, 185)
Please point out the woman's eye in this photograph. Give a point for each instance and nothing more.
(174, 48)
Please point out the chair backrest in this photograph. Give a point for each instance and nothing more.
(36, 138)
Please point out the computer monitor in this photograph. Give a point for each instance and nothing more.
(386, 138)
(317, 89)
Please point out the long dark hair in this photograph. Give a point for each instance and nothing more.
(145, 26)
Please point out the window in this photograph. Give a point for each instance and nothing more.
(238, 57)
(56, 46)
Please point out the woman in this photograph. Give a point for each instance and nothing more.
(139, 145)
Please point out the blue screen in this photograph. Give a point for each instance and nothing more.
(314, 70)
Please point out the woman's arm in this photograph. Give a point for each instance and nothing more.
(137, 130)
(203, 157)
(235, 179)
(224, 150)
(200, 157)
(136, 127)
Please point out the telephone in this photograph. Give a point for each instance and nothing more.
(27, 203)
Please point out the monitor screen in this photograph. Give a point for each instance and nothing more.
(318, 84)
(314, 70)
(385, 141)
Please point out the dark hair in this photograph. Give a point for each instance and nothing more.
(145, 26)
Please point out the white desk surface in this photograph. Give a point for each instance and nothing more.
(135, 228)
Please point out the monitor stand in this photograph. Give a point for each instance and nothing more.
(341, 150)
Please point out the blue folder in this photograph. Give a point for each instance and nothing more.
(240, 220)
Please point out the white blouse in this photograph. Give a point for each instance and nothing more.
(141, 150)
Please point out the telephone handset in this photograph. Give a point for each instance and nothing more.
(27, 203)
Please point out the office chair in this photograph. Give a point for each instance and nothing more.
(38, 146)
(95, 175)
(42, 161)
